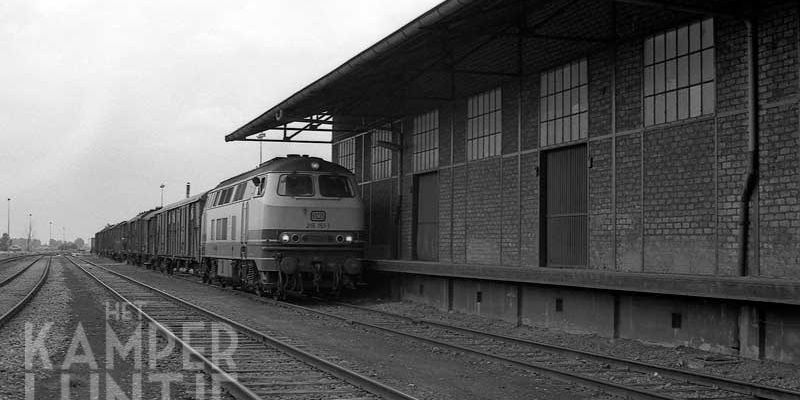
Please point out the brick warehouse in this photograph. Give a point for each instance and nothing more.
(591, 166)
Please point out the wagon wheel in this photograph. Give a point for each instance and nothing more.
(260, 290)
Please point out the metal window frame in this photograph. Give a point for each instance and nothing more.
(425, 134)
(484, 139)
(553, 129)
(346, 153)
(649, 41)
(381, 160)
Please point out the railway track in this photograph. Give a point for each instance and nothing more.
(263, 366)
(624, 377)
(12, 258)
(19, 288)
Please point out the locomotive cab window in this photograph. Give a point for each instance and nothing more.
(240, 191)
(261, 185)
(335, 186)
(296, 185)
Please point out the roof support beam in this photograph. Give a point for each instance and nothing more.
(286, 141)
(732, 10)
(566, 38)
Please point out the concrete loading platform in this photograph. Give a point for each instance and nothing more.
(734, 316)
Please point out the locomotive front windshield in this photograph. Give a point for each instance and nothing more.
(296, 185)
(334, 186)
(302, 185)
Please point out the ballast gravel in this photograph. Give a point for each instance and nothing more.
(77, 318)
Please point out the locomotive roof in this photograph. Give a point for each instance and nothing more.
(290, 163)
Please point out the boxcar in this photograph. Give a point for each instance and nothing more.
(138, 238)
(177, 234)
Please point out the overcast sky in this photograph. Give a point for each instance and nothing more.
(102, 101)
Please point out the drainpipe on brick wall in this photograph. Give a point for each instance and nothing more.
(752, 148)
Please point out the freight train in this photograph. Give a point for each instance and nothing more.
(293, 224)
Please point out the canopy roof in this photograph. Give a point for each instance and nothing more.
(456, 48)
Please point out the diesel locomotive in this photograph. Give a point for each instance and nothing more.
(293, 224)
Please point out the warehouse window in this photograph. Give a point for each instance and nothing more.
(679, 73)
(426, 141)
(346, 154)
(564, 104)
(381, 156)
(484, 125)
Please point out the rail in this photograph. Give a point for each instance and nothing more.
(28, 297)
(237, 388)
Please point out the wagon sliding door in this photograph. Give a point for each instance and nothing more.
(564, 207)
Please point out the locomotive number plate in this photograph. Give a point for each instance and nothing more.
(318, 215)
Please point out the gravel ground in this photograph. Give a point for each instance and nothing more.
(71, 302)
(419, 369)
(18, 288)
(12, 267)
(765, 372)
(50, 306)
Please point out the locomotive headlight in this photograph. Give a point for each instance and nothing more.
(314, 165)
(348, 239)
(285, 238)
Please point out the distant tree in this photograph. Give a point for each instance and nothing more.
(67, 246)
(79, 243)
(5, 242)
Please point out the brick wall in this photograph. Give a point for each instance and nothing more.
(779, 192)
(484, 211)
(529, 241)
(679, 211)
(629, 202)
(601, 225)
(779, 141)
(510, 210)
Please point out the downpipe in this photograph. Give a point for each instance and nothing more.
(751, 179)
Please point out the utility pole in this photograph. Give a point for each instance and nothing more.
(260, 148)
(29, 231)
(162, 195)
(8, 228)
(50, 242)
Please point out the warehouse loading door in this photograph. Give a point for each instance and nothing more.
(564, 242)
(427, 217)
